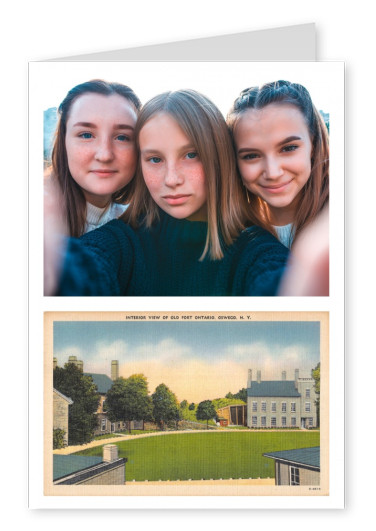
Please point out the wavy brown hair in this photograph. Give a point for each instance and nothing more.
(315, 193)
(202, 122)
(73, 196)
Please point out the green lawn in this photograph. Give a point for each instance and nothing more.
(206, 455)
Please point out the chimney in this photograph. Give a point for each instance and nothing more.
(249, 382)
(110, 453)
(258, 376)
(283, 376)
(296, 378)
(55, 363)
(114, 370)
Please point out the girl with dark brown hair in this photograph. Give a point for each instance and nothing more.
(94, 155)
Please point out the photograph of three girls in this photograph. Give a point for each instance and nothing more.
(171, 198)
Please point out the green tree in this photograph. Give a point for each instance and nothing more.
(165, 405)
(183, 404)
(191, 406)
(128, 399)
(206, 411)
(82, 418)
(316, 376)
(241, 394)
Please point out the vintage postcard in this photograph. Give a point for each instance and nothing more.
(186, 404)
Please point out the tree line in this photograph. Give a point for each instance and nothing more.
(127, 400)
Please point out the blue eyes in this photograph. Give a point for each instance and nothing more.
(191, 155)
(89, 136)
(250, 156)
(85, 136)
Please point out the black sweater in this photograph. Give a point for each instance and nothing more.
(164, 260)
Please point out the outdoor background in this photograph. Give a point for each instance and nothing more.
(222, 83)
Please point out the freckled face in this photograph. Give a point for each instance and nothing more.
(172, 169)
(100, 145)
(273, 149)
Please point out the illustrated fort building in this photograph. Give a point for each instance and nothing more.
(61, 405)
(300, 466)
(274, 404)
(90, 470)
(281, 403)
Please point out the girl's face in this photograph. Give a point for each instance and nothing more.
(100, 145)
(273, 149)
(172, 169)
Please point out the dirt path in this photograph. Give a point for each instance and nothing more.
(72, 449)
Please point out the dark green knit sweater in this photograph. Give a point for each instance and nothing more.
(164, 260)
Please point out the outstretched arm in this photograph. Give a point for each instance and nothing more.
(308, 272)
(98, 263)
(55, 236)
(263, 259)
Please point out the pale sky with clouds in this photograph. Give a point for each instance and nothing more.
(196, 360)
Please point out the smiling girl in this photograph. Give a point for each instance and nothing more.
(184, 230)
(282, 152)
(94, 156)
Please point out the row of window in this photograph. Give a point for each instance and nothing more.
(273, 421)
(273, 407)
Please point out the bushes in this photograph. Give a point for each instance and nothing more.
(58, 438)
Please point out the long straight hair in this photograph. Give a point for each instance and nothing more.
(202, 122)
(73, 196)
(315, 193)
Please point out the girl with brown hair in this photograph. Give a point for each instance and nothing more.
(282, 150)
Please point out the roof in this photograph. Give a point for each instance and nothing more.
(300, 456)
(69, 400)
(64, 465)
(273, 388)
(102, 381)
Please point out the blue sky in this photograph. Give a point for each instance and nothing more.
(197, 360)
